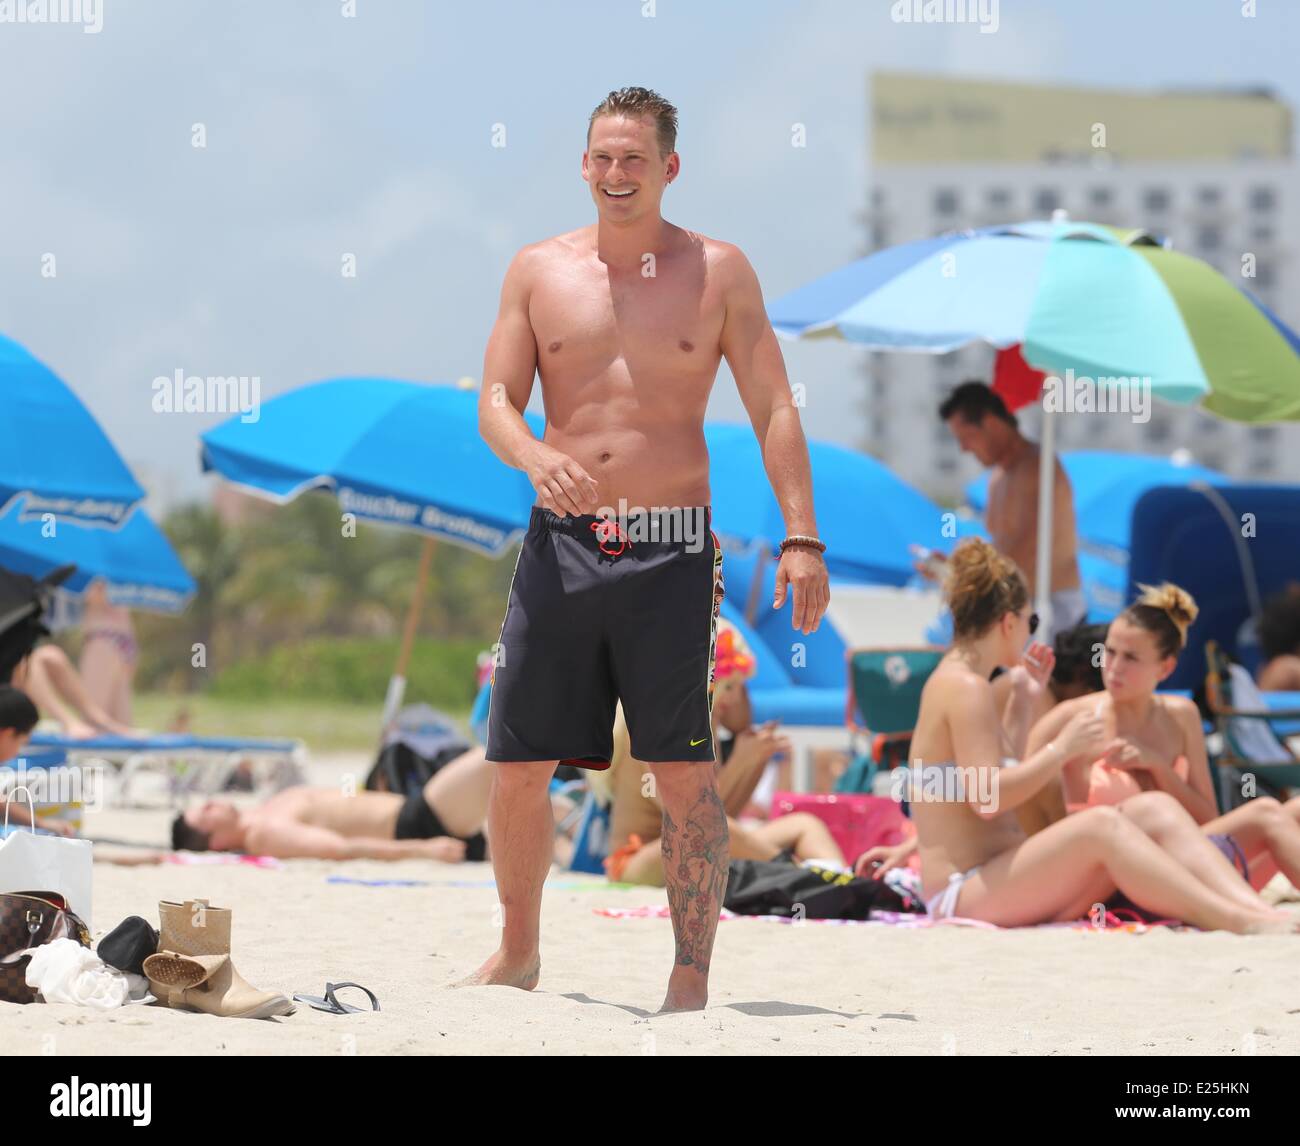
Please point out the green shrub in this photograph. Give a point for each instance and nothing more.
(441, 673)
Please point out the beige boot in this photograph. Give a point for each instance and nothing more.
(192, 969)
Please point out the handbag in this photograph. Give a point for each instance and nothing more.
(54, 863)
(856, 821)
(762, 887)
(30, 919)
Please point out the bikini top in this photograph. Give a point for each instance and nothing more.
(1107, 785)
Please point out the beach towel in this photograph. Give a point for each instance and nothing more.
(1113, 925)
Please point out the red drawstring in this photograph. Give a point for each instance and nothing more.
(607, 528)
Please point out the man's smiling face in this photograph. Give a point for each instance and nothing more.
(624, 169)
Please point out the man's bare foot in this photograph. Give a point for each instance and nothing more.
(683, 1001)
(497, 972)
(687, 991)
(78, 730)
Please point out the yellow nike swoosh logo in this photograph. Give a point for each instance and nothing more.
(701, 740)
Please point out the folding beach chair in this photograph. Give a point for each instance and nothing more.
(1247, 743)
(884, 699)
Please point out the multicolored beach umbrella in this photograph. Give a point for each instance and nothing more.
(53, 454)
(1099, 301)
(1116, 310)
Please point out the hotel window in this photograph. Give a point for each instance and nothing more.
(1156, 199)
(998, 197)
(1264, 277)
(1100, 196)
(1208, 196)
(1046, 200)
(1157, 430)
(1209, 238)
(945, 201)
(1262, 435)
(877, 197)
(1262, 199)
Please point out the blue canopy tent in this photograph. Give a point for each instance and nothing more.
(1230, 546)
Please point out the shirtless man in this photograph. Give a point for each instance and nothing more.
(444, 822)
(984, 427)
(626, 322)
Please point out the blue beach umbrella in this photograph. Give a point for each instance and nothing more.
(137, 562)
(400, 453)
(1096, 301)
(403, 453)
(53, 454)
(866, 514)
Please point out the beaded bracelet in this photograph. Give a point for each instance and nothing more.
(803, 539)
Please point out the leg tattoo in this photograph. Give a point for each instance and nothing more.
(695, 871)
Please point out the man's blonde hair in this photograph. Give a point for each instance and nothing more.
(638, 103)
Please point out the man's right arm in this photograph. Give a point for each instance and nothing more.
(509, 366)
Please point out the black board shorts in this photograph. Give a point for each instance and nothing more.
(602, 611)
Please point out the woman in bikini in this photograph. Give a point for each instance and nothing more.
(1156, 770)
(976, 860)
(108, 654)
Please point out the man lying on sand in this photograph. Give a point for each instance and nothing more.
(444, 822)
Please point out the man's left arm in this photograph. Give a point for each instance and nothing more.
(749, 344)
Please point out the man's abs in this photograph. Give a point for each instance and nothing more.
(642, 465)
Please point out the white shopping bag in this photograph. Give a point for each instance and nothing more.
(29, 862)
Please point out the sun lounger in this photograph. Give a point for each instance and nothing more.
(192, 764)
(1247, 726)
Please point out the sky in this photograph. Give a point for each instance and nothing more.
(372, 133)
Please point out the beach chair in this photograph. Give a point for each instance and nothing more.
(199, 765)
(1245, 741)
(884, 698)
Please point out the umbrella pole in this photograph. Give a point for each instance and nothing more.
(1046, 499)
(397, 682)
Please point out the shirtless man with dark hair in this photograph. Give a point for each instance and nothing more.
(626, 322)
(983, 426)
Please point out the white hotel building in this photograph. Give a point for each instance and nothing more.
(1213, 171)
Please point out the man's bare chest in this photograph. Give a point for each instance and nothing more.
(588, 318)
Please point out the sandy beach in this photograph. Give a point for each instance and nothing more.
(777, 988)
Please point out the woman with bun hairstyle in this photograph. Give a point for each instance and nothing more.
(968, 777)
(1154, 766)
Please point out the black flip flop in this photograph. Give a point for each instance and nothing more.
(331, 1004)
